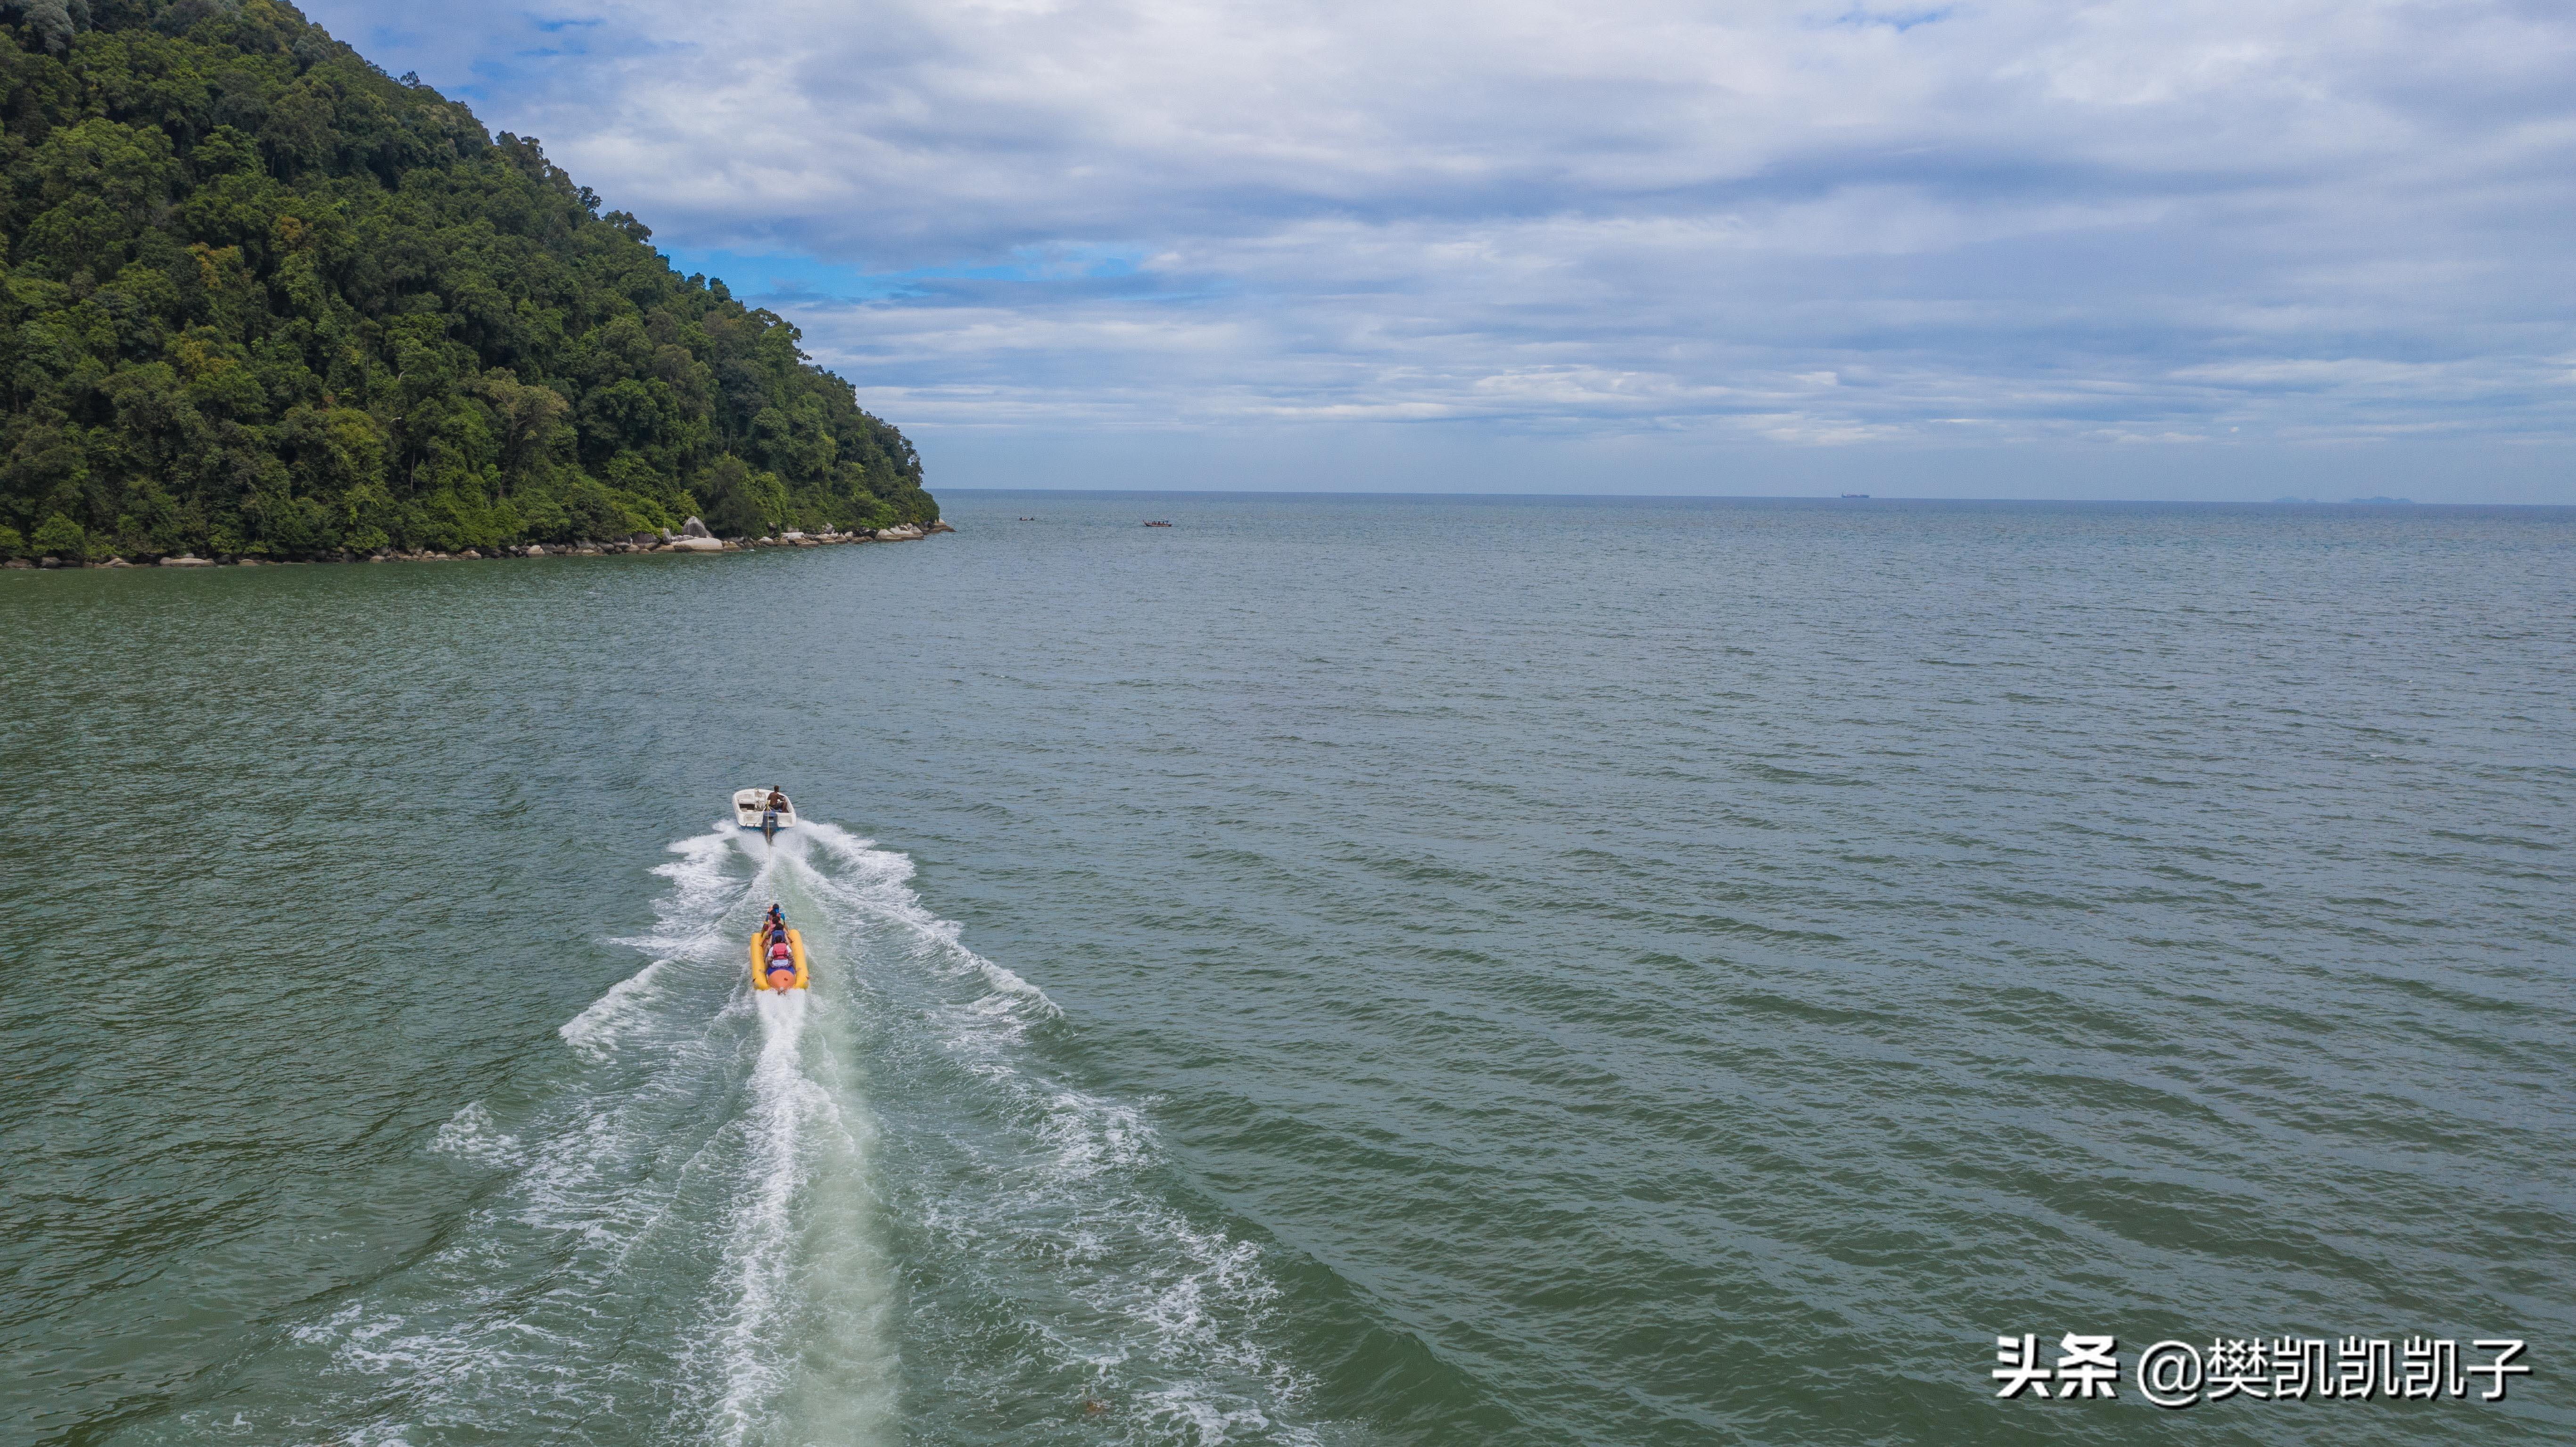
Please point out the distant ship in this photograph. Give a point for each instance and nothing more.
(1855, 494)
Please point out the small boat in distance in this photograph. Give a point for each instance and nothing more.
(1855, 494)
(766, 810)
(1158, 523)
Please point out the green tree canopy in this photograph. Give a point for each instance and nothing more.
(259, 297)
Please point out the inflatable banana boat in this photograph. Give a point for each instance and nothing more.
(760, 958)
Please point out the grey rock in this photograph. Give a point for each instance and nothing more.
(694, 529)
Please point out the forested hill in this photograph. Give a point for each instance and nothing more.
(260, 298)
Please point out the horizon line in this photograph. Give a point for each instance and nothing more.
(2386, 503)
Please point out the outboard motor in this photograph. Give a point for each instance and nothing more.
(769, 826)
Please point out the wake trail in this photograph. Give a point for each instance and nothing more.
(1042, 1201)
(681, 1245)
(687, 1239)
(798, 1343)
(760, 1253)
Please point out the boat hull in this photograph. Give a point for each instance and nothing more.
(751, 811)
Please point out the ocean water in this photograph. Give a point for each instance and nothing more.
(1334, 971)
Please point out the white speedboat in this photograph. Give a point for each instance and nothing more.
(767, 810)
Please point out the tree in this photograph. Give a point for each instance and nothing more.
(259, 296)
(62, 538)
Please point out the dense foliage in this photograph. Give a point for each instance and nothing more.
(260, 298)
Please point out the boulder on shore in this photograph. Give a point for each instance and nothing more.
(904, 533)
(694, 529)
(697, 543)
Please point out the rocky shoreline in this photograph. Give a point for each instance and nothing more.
(693, 537)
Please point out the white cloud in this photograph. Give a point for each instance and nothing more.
(2021, 219)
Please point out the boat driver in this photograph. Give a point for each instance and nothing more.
(778, 801)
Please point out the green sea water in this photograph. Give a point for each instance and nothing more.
(1337, 971)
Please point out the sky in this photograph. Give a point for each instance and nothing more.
(2228, 249)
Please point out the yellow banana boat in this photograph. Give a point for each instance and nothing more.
(760, 957)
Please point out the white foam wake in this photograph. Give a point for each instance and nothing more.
(684, 1245)
(595, 1031)
(760, 1256)
(878, 883)
(470, 1135)
(688, 1243)
(1049, 1198)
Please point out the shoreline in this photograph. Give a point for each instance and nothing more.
(638, 543)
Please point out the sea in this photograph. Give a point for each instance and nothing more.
(1335, 970)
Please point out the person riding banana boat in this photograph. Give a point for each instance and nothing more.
(777, 954)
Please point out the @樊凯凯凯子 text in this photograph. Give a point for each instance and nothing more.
(2286, 1368)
